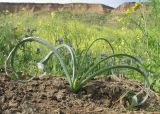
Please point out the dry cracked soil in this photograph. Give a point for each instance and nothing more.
(52, 95)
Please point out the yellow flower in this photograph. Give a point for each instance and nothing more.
(122, 42)
(137, 4)
(120, 19)
(133, 8)
(19, 23)
(128, 11)
(53, 14)
(123, 28)
(23, 9)
(7, 11)
(11, 14)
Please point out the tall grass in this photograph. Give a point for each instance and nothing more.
(147, 22)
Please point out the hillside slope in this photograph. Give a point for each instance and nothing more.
(125, 6)
(73, 7)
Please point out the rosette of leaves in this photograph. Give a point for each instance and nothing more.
(82, 70)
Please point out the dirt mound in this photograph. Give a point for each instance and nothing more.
(74, 7)
(52, 95)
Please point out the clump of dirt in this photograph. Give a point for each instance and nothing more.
(52, 95)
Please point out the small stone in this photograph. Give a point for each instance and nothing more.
(13, 104)
(30, 89)
(99, 109)
(60, 96)
(58, 111)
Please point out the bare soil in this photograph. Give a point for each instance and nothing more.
(52, 95)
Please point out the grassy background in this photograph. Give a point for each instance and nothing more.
(131, 33)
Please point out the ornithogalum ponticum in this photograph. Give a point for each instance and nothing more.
(83, 70)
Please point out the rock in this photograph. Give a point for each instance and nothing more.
(60, 96)
(29, 88)
(13, 104)
(58, 111)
